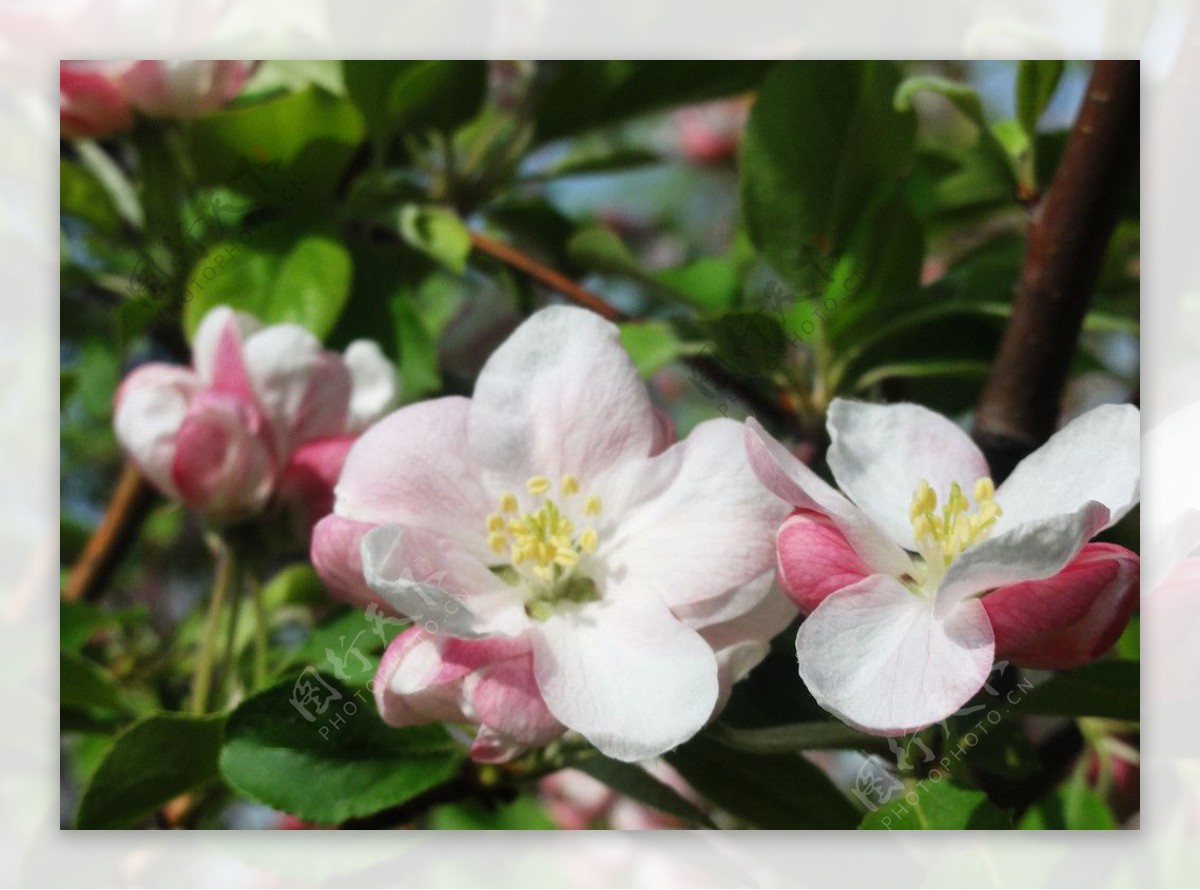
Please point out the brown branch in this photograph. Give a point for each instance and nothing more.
(1068, 236)
(764, 407)
(131, 502)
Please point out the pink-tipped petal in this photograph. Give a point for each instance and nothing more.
(788, 477)
(1071, 618)
(507, 700)
(337, 556)
(151, 404)
(413, 468)
(815, 559)
(91, 104)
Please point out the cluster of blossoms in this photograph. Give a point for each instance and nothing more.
(100, 98)
(570, 567)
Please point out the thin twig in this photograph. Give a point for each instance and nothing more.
(765, 407)
(130, 504)
(1068, 236)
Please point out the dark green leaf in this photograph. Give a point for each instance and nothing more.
(941, 805)
(581, 162)
(288, 152)
(635, 783)
(418, 349)
(1036, 82)
(581, 95)
(78, 621)
(85, 686)
(328, 757)
(1003, 750)
(963, 96)
(1103, 689)
(151, 762)
(748, 342)
(278, 273)
(768, 791)
(81, 195)
(823, 141)
(603, 250)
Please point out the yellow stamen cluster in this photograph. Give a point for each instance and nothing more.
(955, 528)
(543, 539)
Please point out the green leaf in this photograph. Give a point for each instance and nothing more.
(582, 95)
(651, 344)
(414, 94)
(1036, 82)
(793, 737)
(603, 250)
(81, 195)
(109, 176)
(637, 784)
(329, 757)
(747, 342)
(296, 74)
(1103, 689)
(522, 814)
(823, 140)
(78, 621)
(288, 152)
(1073, 807)
(768, 791)
(1003, 750)
(151, 762)
(84, 685)
(964, 97)
(589, 160)
(711, 284)
(438, 232)
(941, 805)
(278, 273)
(418, 349)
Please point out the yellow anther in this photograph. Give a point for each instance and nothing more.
(517, 527)
(593, 506)
(538, 485)
(546, 552)
(495, 523)
(508, 503)
(921, 528)
(566, 557)
(589, 540)
(985, 489)
(924, 501)
(497, 542)
(570, 485)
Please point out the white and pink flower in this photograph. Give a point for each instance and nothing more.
(263, 412)
(566, 565)
(99, 98)
(927, 573)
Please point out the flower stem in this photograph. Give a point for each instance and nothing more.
(202, 677)
(260, 631)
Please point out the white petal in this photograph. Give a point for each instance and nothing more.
(444, 590)
(878, 656)
(375, 384)
(281, 361)
(151, 405)
(1095, 457)
(1028, 552)
(560, 396)
(626, 674)
(786, 475)
(711, 530)
(880, 453)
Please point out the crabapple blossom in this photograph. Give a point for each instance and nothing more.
(566, 564)
(99, 98)
(927, 572)
(263, 412)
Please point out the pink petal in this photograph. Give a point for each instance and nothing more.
(413, 468)
(788, 477)
(815, 559)
(91, 104)
(507, 700)
(310, 475)
(1070, 619)
(222, 465)
(184, 89)
(337, 556)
